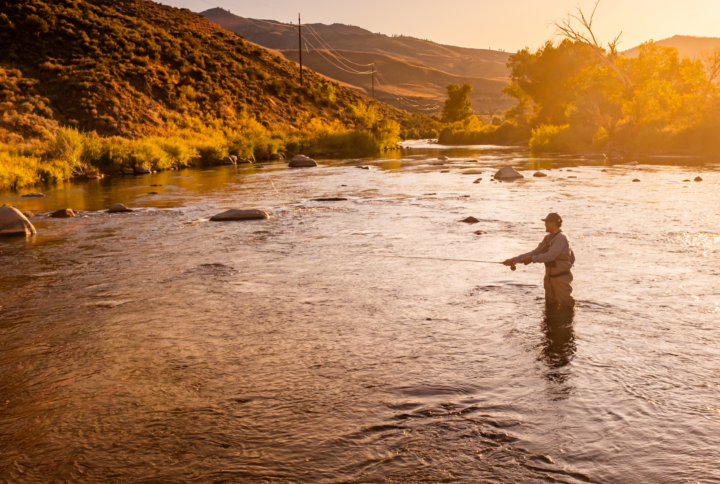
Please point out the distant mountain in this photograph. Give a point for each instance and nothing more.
(421, 69)
(685, 44)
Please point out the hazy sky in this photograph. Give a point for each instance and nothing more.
(497, 24)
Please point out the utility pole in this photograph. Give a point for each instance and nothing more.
(300, 48)
(373, 81)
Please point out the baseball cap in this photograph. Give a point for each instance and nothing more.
(553, 217)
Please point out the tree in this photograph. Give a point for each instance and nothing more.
(457, 105)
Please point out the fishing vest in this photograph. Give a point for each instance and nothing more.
(563, 263)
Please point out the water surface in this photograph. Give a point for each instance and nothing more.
(159, 347)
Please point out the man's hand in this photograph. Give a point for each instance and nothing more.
(527, 260)
(509, 262)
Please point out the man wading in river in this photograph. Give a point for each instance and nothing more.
(557, 255)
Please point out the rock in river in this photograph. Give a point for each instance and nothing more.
(127, 171)
(276, 157)
(141, 170)
(13, 222)
(118, 208)
(229, 160)
(472, 172)
(697, 179)
(443, 158)
(302, 161)
(507, 173)
(34, 195)
(63, 213)
(330, 199)
(539, 174)
(636, 180)
(232, 215)
(471, 220)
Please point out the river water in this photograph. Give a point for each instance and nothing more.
(157, 347)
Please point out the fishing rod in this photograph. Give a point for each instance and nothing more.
(512, 267)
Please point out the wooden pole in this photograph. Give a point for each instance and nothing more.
(300, 48)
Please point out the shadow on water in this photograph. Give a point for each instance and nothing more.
(558, 347)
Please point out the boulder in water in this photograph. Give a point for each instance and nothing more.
(141, 170)
(539, 174)
(478, 180)
(118, 208)
(472, 172)
(228, 160)
(127, 171)
(471, 220)
(330, 199)
(13, 222)
(636, 180)
(34, 195)
(63, 213)
(302, 161)
(233, 215)
(276, 157)
(698, 179)
(507, 173)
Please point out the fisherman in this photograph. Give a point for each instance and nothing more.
(557, 255)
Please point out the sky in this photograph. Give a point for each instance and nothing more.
(497, 24)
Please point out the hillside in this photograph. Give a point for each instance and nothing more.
(687, 45)
(409, 79)
(132, 67)
(399, 58)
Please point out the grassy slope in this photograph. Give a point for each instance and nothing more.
(121, 67)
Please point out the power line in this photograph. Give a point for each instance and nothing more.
(348, 70)
(325, 44)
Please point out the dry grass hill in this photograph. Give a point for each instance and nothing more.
(416, 68)
(130, 67)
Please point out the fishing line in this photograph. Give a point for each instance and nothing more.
(513, 267)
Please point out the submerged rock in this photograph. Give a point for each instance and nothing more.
(471, 220)
(444, 171)
(34, 195)
(233, 215)
(472, 172)
(302, 161)
(63, 213)
(443, 158)
(118, 208)
(330, 199)
(507, 173)
(698, 179)
(685, 181)
(13, 222)
(478, 180)
(539, 174)
(636, 180)
(141, 170)
(480, 232)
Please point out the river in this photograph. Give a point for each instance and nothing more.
(156, 347)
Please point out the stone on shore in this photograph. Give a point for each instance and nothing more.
(127, 171)
(507, 173)
(302, 161)
(63, 213)
(13, 222)
(34, 195)
(233, 215)
(118, 208)
(539, 174)
(471, 220)
(698, 179)
(141, 170)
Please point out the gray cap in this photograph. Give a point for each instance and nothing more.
(553, 217)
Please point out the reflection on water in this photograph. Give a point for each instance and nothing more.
(155, 346)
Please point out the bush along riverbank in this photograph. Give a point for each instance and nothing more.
(69, 152)
(572, 97)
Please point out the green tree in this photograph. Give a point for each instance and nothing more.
(457, 105)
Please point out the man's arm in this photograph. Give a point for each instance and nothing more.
(532, 253)
(559, 246)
